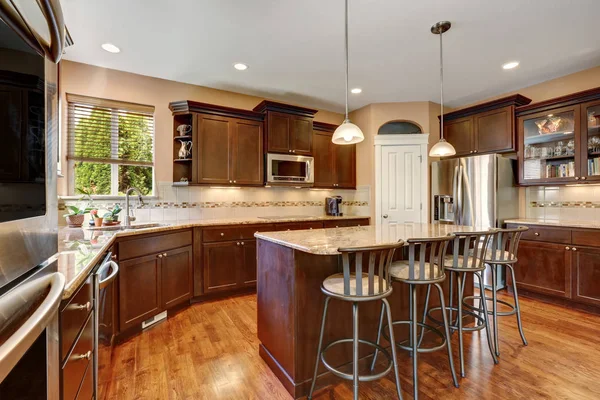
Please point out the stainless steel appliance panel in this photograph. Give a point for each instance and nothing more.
(290, 170)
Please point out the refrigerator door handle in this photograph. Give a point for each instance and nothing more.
(459, 210)
(468, 198)
(454, 189)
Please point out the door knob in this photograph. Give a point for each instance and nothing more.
(385, 215)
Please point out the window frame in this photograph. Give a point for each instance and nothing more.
(114, 175)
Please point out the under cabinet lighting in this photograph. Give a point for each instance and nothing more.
(225, 187)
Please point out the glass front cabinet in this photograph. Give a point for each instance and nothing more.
(559, 145)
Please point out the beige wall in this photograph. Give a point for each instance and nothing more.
(111, 84)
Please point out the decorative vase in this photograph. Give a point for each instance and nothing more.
(186, 149)
(75, 221)
(98, 222)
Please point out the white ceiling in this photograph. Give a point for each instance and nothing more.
(295, 48)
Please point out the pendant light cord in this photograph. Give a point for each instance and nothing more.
(346, 49)
(441, 88)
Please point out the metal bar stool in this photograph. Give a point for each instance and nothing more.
(421, 268)
(503, 252)
(468, 253)
(358, 287)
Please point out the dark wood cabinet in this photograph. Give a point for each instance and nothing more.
(176, 277)
(248, 267)
(343, 223)
(484, 128)
(221, 261)
(586, 274)
(544, 268)
(335, 165)
(288, 128)
(227, 145)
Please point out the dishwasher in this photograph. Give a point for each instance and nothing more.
(105, 295)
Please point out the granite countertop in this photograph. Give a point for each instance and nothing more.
(328, 241)
(81, 249)
(555, 222)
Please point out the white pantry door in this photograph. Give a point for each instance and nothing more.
(401, 182)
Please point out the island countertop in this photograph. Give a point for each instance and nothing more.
(328, 241)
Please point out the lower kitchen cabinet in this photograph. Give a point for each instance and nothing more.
(586, 275)
(248, 267)
(221, 259)
(176, 277)
(544, 268)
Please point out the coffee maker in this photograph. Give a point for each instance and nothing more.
(333, 206)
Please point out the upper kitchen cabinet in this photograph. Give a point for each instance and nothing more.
(288, 128)
(560, 140)
(216, 145)
(335, 165)
(484, 128)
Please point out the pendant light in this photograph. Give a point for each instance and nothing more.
(441, 148)
(347, 132)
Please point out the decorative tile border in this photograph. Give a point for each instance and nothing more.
(227, 204)
(564, 204)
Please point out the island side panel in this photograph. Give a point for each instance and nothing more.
(275, 308)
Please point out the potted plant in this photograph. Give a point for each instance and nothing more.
(112, 217)
(76, 215)
(97, 218)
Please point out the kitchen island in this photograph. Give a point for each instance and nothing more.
(291, 267)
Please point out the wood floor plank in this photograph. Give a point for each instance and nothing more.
(210, 351)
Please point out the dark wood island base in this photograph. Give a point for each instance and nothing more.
(290, 306)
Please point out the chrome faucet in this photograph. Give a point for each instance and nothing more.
(128, 217)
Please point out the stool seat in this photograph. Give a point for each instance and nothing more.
(449, 262)
(400, 270)
(334, 284)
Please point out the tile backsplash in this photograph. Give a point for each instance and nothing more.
(566, 202)
(194, 202)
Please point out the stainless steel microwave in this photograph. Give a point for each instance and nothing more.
(291, 170)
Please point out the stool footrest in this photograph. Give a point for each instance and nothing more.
(513, 309)
(419, 349)
(454, 325)
(361, 378)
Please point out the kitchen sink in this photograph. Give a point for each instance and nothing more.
(122, 228)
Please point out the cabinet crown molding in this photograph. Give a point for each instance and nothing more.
(557, 102)
(267, 105)
(324, 127)
(189, 106)
(516, 100)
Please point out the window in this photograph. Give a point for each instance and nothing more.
(110, 146)
(399, 127)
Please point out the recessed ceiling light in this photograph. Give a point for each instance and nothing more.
(240, 66)
(510, 65)
(111, 48)
(356, 90)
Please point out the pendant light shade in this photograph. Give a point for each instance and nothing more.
(441, 148)
(347, 132)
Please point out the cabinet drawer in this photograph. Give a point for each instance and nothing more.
(74, 315)
(74, 369)
(225, 234)
(546, 234)
(342, 223)
(131, 248)
(296, 226)
(586, 238)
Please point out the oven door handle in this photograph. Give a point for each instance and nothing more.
(13, 349)
(113, 275)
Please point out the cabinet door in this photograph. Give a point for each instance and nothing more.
(590, 141)
(278, 132)
(544, 268)
(176, 275)
(214, 149)
(247, 153)
(586, 275)
(459, 133)
(248, 267)
(323, 154)
(301, 135)
(494, 131)
(345, 166)
(139, 290)
(221, 262)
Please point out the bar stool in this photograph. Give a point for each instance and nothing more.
(503, 252)
(421, 268)
(359, 287)
(468, 253)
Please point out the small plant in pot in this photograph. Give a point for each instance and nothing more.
(112, 217)
(97, 218)
(76, 215)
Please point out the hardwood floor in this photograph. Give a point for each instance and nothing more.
(210, 351)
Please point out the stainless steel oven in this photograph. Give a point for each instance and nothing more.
(286, 170)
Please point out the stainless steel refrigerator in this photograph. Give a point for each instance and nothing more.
(479, 191)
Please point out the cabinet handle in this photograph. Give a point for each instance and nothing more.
(242, 243)
(234, 181)
(160, 256)
(574, 249)
(293, 151)
(536, 233)
(164, 254)
(310, 228)
(289, 229)
(289, 151)
(85, 356)
(222, 234)
(583, 178)
(475, 151)
(87, 306)
(567, 248)
(471, 152)
(576, 178)
(238, 243)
